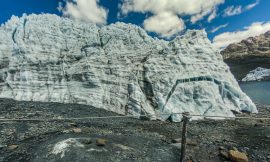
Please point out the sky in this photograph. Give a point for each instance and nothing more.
(225, 21)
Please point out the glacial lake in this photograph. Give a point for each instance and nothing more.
(257, 91)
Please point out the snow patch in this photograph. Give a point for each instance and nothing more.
(63, 146)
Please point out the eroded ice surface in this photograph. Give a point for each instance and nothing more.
(117, 67)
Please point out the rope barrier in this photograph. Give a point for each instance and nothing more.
(128, 116)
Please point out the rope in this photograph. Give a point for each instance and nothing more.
(128, 116)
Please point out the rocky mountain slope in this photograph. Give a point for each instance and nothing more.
(117, 67)
(248, 54)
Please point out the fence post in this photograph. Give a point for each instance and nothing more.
(184, 135)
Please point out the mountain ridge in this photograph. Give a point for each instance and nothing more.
(247, 55)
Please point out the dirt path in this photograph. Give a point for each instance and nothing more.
(125, 139)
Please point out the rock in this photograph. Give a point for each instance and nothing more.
(177, 140)
(73, 125)
(238, 156)
(116, 67)
(12, 147)
(2, 146)
(123, 147)
(224, 154)
(221, 148)
(177, 145)
(101, 142)
(87, 141)
(77, 130)
(234, 148)
(188, 141)
(192, 142)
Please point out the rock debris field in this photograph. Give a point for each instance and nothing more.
(124, 139)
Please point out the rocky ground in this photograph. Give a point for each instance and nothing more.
(123, 139)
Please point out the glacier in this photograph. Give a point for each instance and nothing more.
(117, 67)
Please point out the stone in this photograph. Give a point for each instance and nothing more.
(123, 147)
(77, 130)
(87, 141)
(2, 146)
(177, 140)
(192, 142)
(177, 145)
(238, 156)
(73, 125)
(101, 142)
(234, 148)
(116, 67)
(224, 154)
(12, 147)
(221, 148)
(188, 141)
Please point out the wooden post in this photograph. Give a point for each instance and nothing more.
(184, 136)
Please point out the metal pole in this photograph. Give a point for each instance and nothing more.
(184, 136)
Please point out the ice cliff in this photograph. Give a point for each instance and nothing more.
(117, 67)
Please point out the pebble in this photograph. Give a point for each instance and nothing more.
(221, 148)
(87, 141)
(188, 142)
(224, 154)
(2, 146)
(12, 147)
(77, 130)
(177, 140)
(101, 142)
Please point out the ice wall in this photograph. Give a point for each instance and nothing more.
(117, 67)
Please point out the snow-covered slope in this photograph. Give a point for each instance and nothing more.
(257, 74)
(117, 67)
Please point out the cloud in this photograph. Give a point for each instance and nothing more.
(180, 7)
(196, 9)
(219, 27)
(224, 39)
(166, 24)
(85, 10)
(232, 10)
(212, 15)
(252, 5)
(236, 10)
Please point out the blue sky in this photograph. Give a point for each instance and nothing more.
(235, 18)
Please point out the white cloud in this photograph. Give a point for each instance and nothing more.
(232, 10)
(166, 24)
(219, 27)
(199, 16)
(224, 39)
(196, 9)
(86, 10)
(236, 10)
(180, 7)
(212, 15)
(252, 5)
